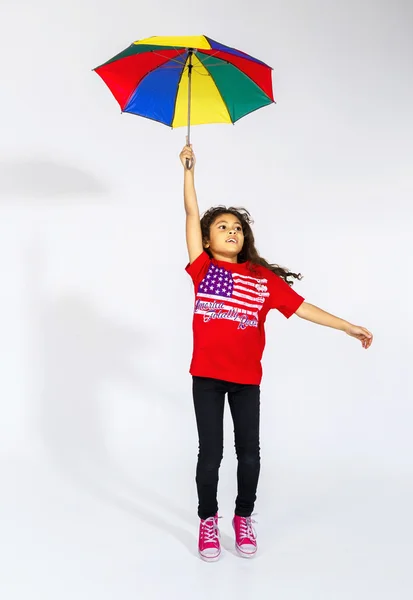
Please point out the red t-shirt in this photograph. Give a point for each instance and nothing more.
(231, 305)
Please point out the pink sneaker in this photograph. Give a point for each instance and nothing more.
(245, 536)
(209, 546)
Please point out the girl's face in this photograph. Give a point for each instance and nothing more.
(226, 237)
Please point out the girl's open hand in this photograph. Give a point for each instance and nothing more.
(187, 153)
(360, 333)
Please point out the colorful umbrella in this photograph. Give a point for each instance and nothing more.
(222, 84)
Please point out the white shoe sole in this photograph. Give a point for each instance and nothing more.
(209, 558)
(244, 554)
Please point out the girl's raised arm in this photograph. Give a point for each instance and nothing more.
(193, 226)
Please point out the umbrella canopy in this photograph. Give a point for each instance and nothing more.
(183, 81)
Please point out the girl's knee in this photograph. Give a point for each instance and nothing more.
(249, 454)
(210, 461)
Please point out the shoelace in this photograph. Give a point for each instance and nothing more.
(210, 529)
(246, 528)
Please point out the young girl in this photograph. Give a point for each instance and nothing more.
(234, 290)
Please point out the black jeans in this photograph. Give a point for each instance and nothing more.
(244, 402)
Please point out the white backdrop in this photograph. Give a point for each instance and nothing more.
(97, 433)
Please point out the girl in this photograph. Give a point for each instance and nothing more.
(234, 290)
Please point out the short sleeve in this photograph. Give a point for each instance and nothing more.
(198, 269)
(282, 296)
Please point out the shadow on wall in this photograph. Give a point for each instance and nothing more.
(78, 350)
(47, 182)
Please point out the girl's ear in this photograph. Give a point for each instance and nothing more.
(205, 243)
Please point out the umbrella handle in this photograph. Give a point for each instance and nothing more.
(189, 162)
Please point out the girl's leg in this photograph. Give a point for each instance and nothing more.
(244, 402)
(209, 400)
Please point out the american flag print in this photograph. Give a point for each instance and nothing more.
(223, 294)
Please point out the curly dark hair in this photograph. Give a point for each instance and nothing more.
(249, 251)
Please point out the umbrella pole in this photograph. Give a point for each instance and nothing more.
(190, 65)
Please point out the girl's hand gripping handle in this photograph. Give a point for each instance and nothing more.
(187, 156)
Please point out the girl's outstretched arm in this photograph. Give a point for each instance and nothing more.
(193, 226)
(312, 313)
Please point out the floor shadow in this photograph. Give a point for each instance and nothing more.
(78, 349)
(31, 180)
